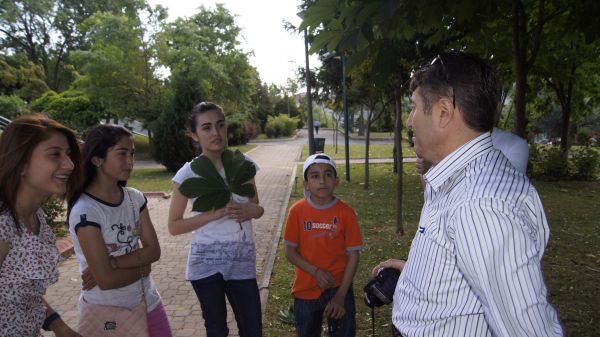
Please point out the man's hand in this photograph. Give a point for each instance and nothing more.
(391, 263)
(335, 308)
(324, 279)
(87, 280)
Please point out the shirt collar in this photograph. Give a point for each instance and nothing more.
(457, 160)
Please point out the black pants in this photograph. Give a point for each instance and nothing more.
(244, 299)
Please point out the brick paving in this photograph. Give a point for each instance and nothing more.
(274, 181)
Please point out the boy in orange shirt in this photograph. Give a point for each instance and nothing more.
(322, 239)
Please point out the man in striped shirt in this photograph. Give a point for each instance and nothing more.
(474, 267)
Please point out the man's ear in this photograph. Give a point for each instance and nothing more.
(447, 111)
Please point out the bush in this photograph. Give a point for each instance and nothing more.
(236, 129)
(71, 107)
(11, 106)
(585, 163)
(280, 126)
(550, 162)
(170, 145)
(583, 136)
(42, 102)
(555, 163)
(54, 210)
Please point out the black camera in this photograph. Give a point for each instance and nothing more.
(380, 290)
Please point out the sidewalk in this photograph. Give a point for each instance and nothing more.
(274, 181)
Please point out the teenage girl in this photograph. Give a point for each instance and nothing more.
(105, 218)
(39, 159)
(222, 257)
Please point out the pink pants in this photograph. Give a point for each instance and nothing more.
(158, 322)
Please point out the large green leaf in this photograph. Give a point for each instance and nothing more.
(203, 167)
(210, 189)
(245, 189)
(216, 201)
(238, 171)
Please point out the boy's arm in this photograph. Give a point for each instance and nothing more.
(324, 278)
(335, 308)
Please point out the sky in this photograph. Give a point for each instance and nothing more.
(277, 52)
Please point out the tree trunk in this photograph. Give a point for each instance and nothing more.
(521, 47)
(335, 134)
(367, 143)
(519, 43)
(564, 97)
(399, 158)
(361, 122)
(564, 130)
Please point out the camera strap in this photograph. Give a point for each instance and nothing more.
(373, 320)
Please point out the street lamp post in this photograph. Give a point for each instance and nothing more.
(309, 117)
(346, 136)
(346, 122)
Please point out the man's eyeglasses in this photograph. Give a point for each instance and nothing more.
(440, 60)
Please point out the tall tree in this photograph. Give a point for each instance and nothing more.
(206, 64)
(47, 30)
(114, 67)
(20, 77)
(380, 35)
(564, 64)
(207, 45)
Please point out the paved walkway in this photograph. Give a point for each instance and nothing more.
(274, 181)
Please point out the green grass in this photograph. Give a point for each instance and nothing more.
(358, 150)
(263, 136)
(142, 147)
(374, 135)
(243, 148)
(151, 179)
(571, 262)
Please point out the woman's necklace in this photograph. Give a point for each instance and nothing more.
(32, 224)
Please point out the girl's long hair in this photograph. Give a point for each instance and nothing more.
(99, 139)
(17, 143)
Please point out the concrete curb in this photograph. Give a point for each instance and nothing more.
(259, 141)
(272, 252)
(163, 195)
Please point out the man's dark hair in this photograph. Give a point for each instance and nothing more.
(472, 84)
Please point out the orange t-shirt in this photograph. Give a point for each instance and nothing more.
(322, 236)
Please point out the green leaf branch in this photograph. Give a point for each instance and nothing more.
(210, 189)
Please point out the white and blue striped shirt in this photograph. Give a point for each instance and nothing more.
(474, 268)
